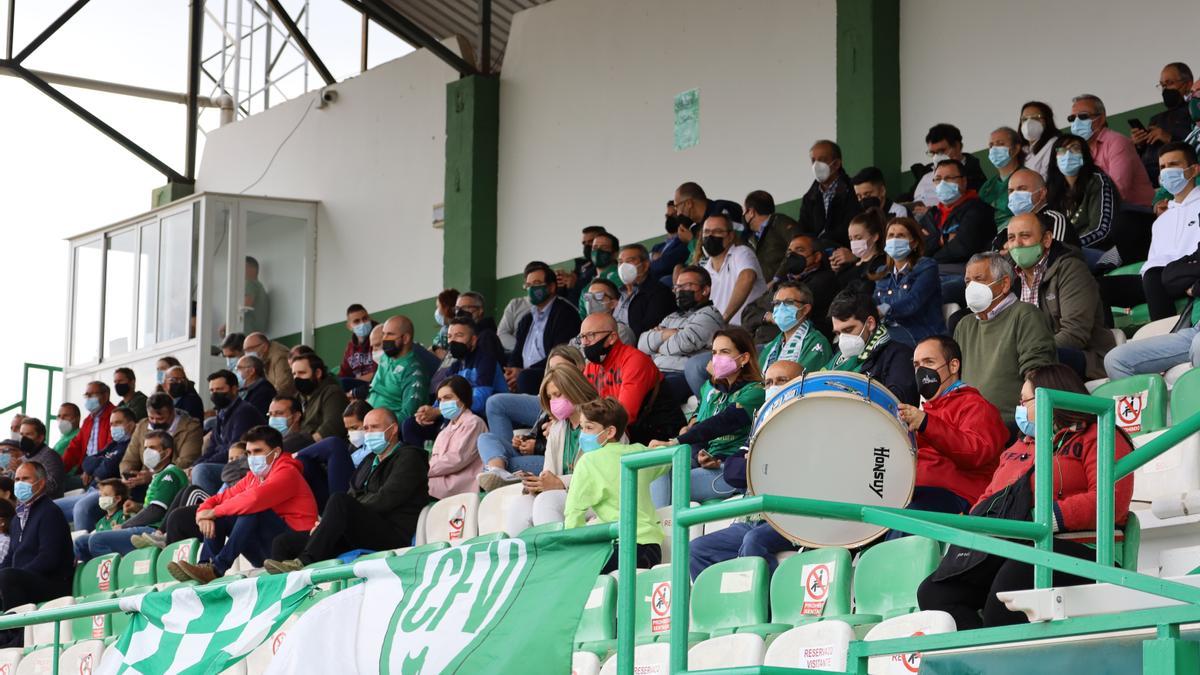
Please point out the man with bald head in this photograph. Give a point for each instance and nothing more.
(275, 357)
(1027, 193)
(621, 371)
(401, 382)
(387, 492)
(1055, 279)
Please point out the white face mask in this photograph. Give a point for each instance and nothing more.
(106, 502)
(772, 390)
(151, 459)
(821, 171)
(15, 435)
(356, 437)
(859, 247)
(851, 344)
(628, 273)
(1032, 130)
(979, 296)
(64, 427)
(377, 355)
(940, 157)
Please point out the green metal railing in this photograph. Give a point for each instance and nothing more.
(23, 404)
(1167, 653)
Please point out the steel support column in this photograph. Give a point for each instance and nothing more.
(50, 30)
(12, 20)
(302, 41)
(195, 42)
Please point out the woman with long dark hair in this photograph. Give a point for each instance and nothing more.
(1038, 133)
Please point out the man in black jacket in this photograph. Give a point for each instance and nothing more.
(830, 203)
(1172, 124)
(379, 512)
(551, 321)
(692, 203)
(40, 561)
(644, 301)
(863, 345)
(806, 263)
(960, 226)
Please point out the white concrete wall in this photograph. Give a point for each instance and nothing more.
(375, 160)
(586, 112)
(974, 63)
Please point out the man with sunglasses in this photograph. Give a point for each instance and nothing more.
(1112, 152)
(1172, 124)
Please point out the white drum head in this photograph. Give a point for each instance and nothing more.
(835, 447)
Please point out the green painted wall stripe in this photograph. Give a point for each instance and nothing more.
(472, 165)
(868, 85)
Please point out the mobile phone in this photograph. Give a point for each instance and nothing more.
(129, 474)
(529, 437)
(1135, 123)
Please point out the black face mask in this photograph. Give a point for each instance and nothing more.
(29, 446)
(391, 348)
(870, 203)
(122, 389)
(177, 389)
(602, 258)
(305, 385)
(1172, 98)
(160, 426)
(714, 245)
(587, 252)
(596, 351)
(794, 264)
(221, 400)
(686, 300)
(928, 382)
(458, 350)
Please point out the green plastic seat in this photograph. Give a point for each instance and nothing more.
(424, 548)
(137, 568)
(485, 538)
(729, 595)
(99, 626)
(530, 533)
(599, 618)
(791, 606)
(647, 626)
(887, 577)
(1151, 389)
(119, 621)
(184, 549)
(99, 574)
(1185, 396)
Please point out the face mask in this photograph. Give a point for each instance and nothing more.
(160, 426)
(1194, 108)
(723, 366)
(979, 296)
(458, 350)
(1173, 179)
(121, 389)
(1172, 98)
(601, 258)
(1020, 201)
(23, 491)
(119, 435)
(107, 502)
(561, 407)
(231, 362)
(898, 249)
(29, 446)
(391, 348)
(151, 459)
(1021, 417)
(279, 424)
(91, 403)
(628, 273)
(587, 251)
(538, 294)
(870, 203)
(377, 355)
(594, 305)
(5, 459)
(177, 389)
(305, 385)
(356, 438)
(939, 157)
(851, 345)
(1026, 256)
(794, 265)
(359, 455)
(375, 441)
(947, 192)
(449, 409)
(64, 427)
(159, 376)
(859, 248)
(928, 382)
(252, 353)
(1082, 128)
(714, 245)
(589, 442)
(1069, 163)
(772, 390)
(686, 300)
(362, 330)
(821, 171)
(1032, 130)
(999, 156)
(259, 464)
(220, 400)
(596, 351)
(437, 316)
(784, 316)
(14, 435)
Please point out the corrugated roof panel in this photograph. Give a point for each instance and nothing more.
(445, 18)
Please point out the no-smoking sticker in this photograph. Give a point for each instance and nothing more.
(911, 661)
(660, 607)
(1129, 411)
(104, 574)
(457, 522)
(817, 579)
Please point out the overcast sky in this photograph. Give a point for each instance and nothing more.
(59, 176)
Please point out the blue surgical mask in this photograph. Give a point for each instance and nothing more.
(449, 409)
(5, 458)
(359, 455)
(1173, 180)
(119, 434)
(1021, 415)
(1082, 128)
(91, 403)
(231, 362)
(240, 378)
(999, 156)
(784, 316)
(362, 330)
(23, 491)
(259, 464)
(1020, 201)
(375, 441)
(898, 249)
(947, 192)
(279, 424)
(589, 442)
(160, 375)
(1069, 163)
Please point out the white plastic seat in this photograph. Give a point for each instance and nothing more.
(1092, 385)
(81, 657)
(259, 660)
(664, 519)
(585, 663)
(1175, 472)
(715, 525)
(651, 659)
(906, 625)
(43, 633)
(493, 509)
(1154, 328)
(21, 609)
(816, 646)
(454, 519)
(1176, 372)
(37, 662)
(949, 309)
(728, 651)
(419, 537)
(1118, 336)
(9, 658)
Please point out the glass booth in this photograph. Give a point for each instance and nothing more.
(166, 283)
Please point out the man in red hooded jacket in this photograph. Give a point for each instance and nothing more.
(959, 433)
(271, 499)
(94, 431)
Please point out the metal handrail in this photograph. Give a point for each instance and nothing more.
(23, 403)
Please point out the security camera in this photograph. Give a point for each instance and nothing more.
(328, 95)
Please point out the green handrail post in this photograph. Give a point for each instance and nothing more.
(57, 644)
(1043, 481)
(681, 583)
(1106, 525)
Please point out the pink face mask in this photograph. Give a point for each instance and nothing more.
(723, 366)
(561, 407)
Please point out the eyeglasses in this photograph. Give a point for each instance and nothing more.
(594, 336)
(470, 308)
(529, 286)
(1084, 116)
(600, 296)
(1036, 116)
(937, 179)
(1170, 83)
(718, 233)
(1069, 148)
(931, 153)
(1026, 400)
(790, 303)
(692, 286)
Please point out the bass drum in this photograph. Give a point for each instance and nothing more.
(837, 437)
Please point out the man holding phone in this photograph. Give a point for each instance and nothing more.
(1172, 124)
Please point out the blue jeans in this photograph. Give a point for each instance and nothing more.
(249, 534)
(82, 511)
(508, 411)
(207, 476)
(706, 484)
(938, 499)
(413, 432)
(492, 447)
(736, 541)
(112, 541)
(1154, 355)
(327, 467)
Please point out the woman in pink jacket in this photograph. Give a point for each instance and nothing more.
(454, 462)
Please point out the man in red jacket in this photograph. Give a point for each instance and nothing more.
(271, 499)
(959, 433)
(94, 433)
